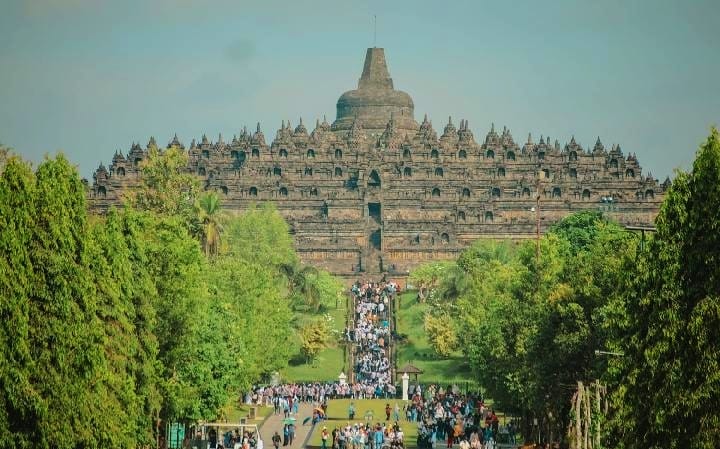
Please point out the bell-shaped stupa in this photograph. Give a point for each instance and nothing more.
(375, 100)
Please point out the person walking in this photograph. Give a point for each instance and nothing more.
(379, 437)
(324, 435)
(276, 440)
(351, 411)
(291, 434)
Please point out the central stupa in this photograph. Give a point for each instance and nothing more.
(375, 100)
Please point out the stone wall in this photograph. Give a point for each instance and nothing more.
(435, 195)
(376, 191)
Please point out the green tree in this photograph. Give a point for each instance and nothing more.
(427, 277)
(530, 327)
(178, 269)
(313, 289)
(441, 333)
(112, 324)
(668, 395)
(261, 235)
(22, 404)
(143, 291)
(168, 188)
(331, 289)
(127, 397)
(210, 216)
(257, 316)
(304, 286)
(314, 337)
(4, 155)
(49, 378)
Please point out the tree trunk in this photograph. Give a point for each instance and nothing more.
(578, 417)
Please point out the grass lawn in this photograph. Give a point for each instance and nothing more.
(416, 349)
(338, 417)
(234, 412)
(328, 364)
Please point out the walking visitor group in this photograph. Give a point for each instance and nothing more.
(443, 416)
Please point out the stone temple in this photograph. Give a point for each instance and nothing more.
(376, 191)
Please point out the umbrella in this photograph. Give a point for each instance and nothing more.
(289, 421)
(306, 420)
(319, 410)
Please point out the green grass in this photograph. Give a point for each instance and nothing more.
(416, 348)
(338, 417)
(328, 364)
(234, 412)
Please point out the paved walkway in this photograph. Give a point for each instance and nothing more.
(275, 423)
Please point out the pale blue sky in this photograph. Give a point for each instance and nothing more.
(89, 76)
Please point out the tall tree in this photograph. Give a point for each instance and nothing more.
(313, 337)
(178, 269)
(668, 393)
(428, 276)
(58, 358)
(117, 408)
(530, 327)
(4, 155)
(210, 215)
(22, 407)
(128, 396)
(256, 316)
(168, 188)
(261, 235)
(305, 286)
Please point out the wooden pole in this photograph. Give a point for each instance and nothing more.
(588, 442)
(578, 416)
(597, 405)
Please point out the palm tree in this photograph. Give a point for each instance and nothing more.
(454, 284)
(210, 215)
(305, 282)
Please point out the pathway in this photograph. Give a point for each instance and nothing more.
(275, 423)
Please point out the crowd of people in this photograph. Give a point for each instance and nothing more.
(289, 396)
(447, 416)
(231, 439)
(370, 337)
(363, 436)
(443, 416)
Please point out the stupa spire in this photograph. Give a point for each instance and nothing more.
(375, 73)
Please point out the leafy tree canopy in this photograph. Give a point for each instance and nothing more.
(668, 393)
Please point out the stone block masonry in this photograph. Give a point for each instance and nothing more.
(378, 192)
